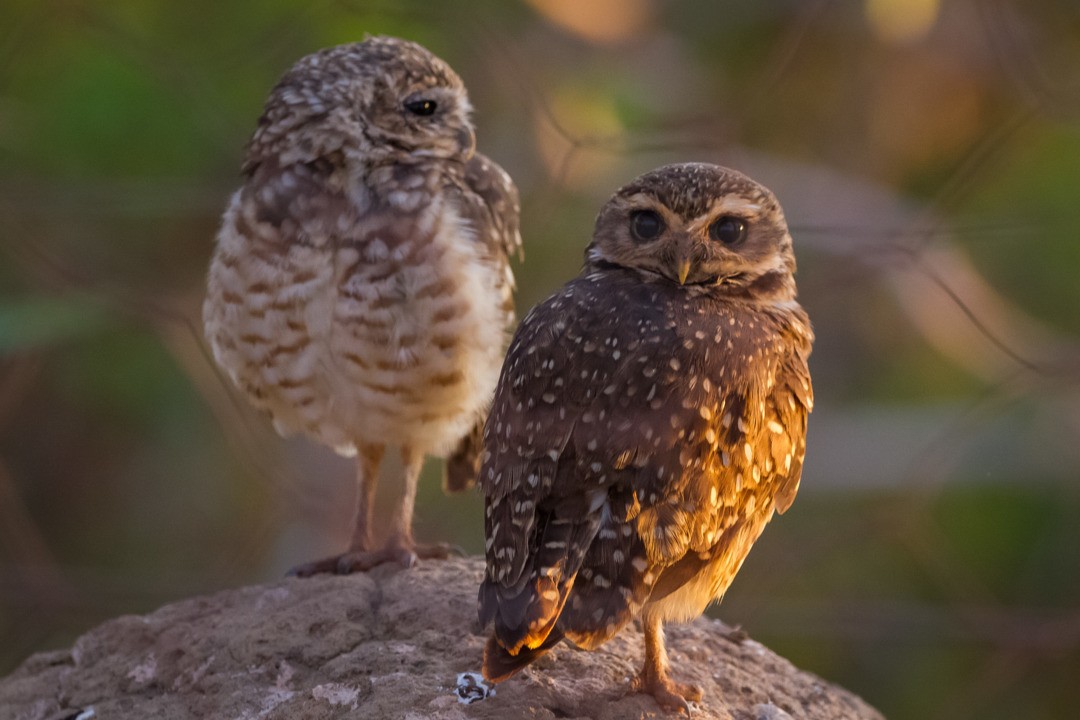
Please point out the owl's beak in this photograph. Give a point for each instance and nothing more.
(683, 270)
(467, 141)
(687, 256)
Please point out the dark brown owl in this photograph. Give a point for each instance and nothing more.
(360, 291)
(649, 419)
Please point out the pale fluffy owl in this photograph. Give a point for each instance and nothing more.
(360, 287)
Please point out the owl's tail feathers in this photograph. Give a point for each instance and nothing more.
(499, 664)
(525, 606)
(526, 618)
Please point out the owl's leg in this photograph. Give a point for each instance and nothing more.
(655, 677)
(401, 546)
(359, 556)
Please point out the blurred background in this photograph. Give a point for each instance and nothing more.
(927, 153)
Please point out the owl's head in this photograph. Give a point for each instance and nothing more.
(701, 226)
(380, 99)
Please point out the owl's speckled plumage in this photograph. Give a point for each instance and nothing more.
(360, 290)
(649, 419)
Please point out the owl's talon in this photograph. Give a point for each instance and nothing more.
(362, 561)
(437, 551)
(344, 564)
(405, 557)
(669, 695)
(315, 567)
(404, 554)
(408, 554)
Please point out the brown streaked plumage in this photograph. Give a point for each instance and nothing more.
(360, 291)
(649, 419)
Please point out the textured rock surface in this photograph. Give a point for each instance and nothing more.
(389, 644)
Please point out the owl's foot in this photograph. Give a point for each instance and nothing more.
(344, 564)
(669, 695)
(407, 554)
(353, 561)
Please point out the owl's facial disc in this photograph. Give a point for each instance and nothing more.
(698, 226)
(736, 239)
(435, 122)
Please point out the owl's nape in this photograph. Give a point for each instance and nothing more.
(360, 290)
(649, 420)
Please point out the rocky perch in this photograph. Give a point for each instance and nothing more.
(389, 644)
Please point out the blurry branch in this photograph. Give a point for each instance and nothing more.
(966, 319)
(951, 303)
(1016, 44)
(782, 57)
(964, 177)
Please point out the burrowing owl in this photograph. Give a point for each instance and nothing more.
(360, 290)
(649, 419)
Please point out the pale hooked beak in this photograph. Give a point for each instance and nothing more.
(467, 142)
(683, 270)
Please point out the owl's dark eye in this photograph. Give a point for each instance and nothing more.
(646, 225)
(421, 107)
(728, 230)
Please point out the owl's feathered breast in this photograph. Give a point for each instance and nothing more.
(629, 374)
(370, 307)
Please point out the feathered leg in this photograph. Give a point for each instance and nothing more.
(655, 677)
(401, 547)
(358, 557)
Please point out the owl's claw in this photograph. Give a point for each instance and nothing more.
(344, 564)
(438, 551)
(404, 554)
(670, 695)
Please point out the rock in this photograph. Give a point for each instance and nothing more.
(389, 644)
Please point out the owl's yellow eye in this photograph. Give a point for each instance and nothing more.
(422, 107)
(728, 230)
(646, 225)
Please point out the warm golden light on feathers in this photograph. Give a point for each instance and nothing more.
(649, 420)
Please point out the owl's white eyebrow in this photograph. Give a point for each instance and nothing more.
(736, 206)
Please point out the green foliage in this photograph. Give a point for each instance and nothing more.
(32, 324)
